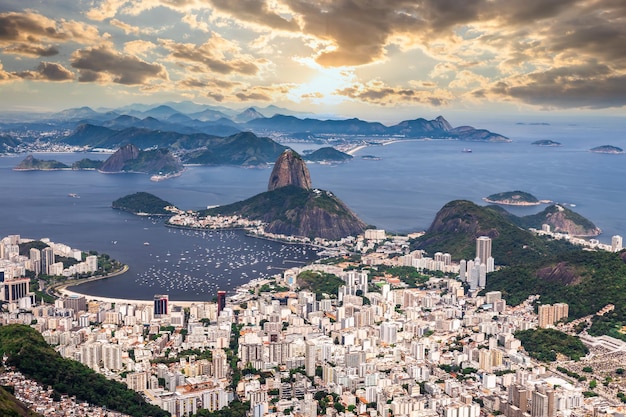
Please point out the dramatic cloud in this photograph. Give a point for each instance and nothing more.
(255, 11)
(591, 86)
(31, 50)
(106, 65)
(31, 27)
(546, 53)
(47, 71)
(215, 55)
(376, 92)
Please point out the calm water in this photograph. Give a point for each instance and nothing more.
(401, 192)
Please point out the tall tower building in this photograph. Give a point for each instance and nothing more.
(310, 358)
(483, 248)
(221, 301)
(616, 243)
(160, 305)
(35, 258)
(47, 259)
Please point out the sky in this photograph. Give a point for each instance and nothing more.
(382, 60)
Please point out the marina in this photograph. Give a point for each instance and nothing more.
(223, 259)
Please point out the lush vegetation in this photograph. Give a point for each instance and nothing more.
(587, 281)
(513, 197)
(407, 274)
(536, 220)
(234, 409)
(243, 148)
(28, 352)
(544, 344)
(142, 202)
(460, 222)
(296, 211)
(87, 163)
(319, 283)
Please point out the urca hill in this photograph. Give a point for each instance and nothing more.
(292, 207)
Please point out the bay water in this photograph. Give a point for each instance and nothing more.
(400, 192)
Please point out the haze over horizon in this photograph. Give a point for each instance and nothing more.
(384, 61)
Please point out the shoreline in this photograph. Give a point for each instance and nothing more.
(62, 290)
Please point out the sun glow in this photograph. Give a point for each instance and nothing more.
(322, 87)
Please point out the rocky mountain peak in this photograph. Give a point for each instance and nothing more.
(116, 162)
(289, 169)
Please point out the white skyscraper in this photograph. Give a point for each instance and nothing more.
(483, 248)
(616, 243)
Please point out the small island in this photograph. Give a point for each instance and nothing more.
(607, 149)
(546, 142)
(514, 198)
(144, 204)
(30, 163)
(327, 154)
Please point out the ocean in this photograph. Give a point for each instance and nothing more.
(400, 192)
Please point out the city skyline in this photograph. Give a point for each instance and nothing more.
(386, 62)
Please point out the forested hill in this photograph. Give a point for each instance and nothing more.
(30, 354)
(586, 281)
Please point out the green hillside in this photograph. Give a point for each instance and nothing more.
(460, 222)
(585, 280)
(297, 211)
(28, 352)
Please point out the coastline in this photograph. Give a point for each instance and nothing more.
(62, 290)
(512, 203)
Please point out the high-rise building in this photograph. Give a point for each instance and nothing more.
(551, 314)
(483, 249)
(310, 358)
(35, 258)
(47, 260)
(221, 301)
(160, 305)
(616, 243)
(14, 289)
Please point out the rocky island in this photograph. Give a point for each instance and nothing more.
(514, 198)
(607, 149)
(546, 143)
(30, 163)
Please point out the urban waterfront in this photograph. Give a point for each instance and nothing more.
(401, 192)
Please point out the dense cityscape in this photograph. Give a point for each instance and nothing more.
(400, 333)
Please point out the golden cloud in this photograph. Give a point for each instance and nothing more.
(376, 92)
(47, 71)
(106, 65)
(216, 55)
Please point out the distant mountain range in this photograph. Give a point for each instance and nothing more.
(88, 127)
